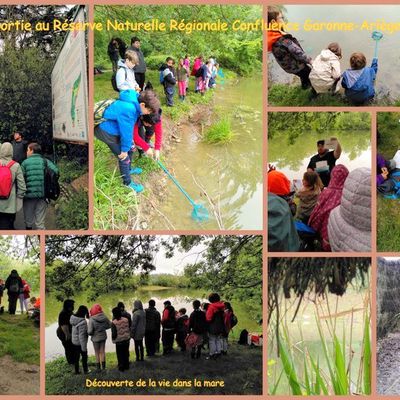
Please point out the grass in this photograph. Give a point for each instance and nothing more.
(388, 224)
(19, 338)
(240, 370)
(219, 132)
(73, 213)
(290, 96)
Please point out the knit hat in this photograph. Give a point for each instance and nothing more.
(349, 226)
(278, 183)
(96, 309)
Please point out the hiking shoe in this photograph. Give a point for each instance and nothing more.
(137, 187)
(136, 171)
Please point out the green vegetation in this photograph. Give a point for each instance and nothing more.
(388, 210)
(237, 51)
(19, 338)
(243, 363)
(220, 131)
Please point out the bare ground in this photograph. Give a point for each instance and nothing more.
(388, 365)
(18, 378)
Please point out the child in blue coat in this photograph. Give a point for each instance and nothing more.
(358, 81)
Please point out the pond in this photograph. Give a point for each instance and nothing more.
(231, 173)
(178, 297)
(358, 40)
(303, 332)
(292, 158)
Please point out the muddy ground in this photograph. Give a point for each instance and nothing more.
(18, 378)
(388, 365)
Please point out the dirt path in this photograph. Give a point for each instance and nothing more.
(18, 378)
(388, 365)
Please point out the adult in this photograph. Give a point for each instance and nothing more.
(153, 326)
(19, 146)
(168, 325)
(138, 329)
(282, 234)
(97, 329)
(198, 327)
(328, 200)
(116, 132)
(14, 286)
(35, 202)
(140, 69)
(64, 330)
(11, 205)
(216, 325)
(113, 53)
(80, 338)
(349, 225)
(324, 161)
(121, 336)
(125, 313)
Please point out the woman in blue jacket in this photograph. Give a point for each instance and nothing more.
(117, 129)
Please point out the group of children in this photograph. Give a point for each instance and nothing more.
(323, 73)
(205, 74)
(335, 213)
(210, 324)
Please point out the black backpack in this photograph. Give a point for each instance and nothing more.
(14, 285)
(51, 184)
(114, 79)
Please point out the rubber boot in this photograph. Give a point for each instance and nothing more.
(103, 365)
(98, 367)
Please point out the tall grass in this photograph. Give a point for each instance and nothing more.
(219, 132)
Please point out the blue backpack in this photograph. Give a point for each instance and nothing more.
(396, 186)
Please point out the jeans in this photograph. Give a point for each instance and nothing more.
(215, 344)
(77, 355)
(113, 142)
(12, 302)
(168, 340)
(169, 94)
(122, 350)
(139, 351)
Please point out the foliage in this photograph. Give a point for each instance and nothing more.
(388, 133)
(73, 213)
(241, 372)
(388, 225)
(168, 280)
(220, 131)
(240, 51)
(19, 338)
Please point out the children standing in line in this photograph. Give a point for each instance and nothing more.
(325, 72)
(358, 81)
(308, 195)
(121, 337)
(168, 80)
(198, 327)
(287, 50)
(98, 325)
(80, 338)
(182, 74)
(182, 328)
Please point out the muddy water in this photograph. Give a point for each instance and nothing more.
(231, 174)
(178, 297)
(304, 334)
(293, 158)
(359, 40)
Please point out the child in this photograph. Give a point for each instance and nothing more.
(203, 76)
(80, 338)
(98, 325)
(197, 326)
(228, 326)
(138, 329)
(125, 77)
(216, 325)
(167, 78)
(308, 195)
(186, 64)
(121, 337)
(325, 72)
(24, 296)
(182, 328)
(181, 75)
(198, 62)
(359, 80)
(287, 49)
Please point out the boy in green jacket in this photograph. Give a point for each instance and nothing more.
(35, 203)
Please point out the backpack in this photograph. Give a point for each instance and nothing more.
(199, 72)
(170, 322)
(114, 79)
(51, 184)
(162, 77)
(14, 285)
(6, 180)
(234, 320)
(99, 109)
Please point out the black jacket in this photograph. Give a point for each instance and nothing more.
(153, 320)
(198, 323)
(19, 150)
(141, 67)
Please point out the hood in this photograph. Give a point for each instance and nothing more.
(352, 76)
(69, 303)
(14, 274)
(96, 309)
(74, 320)
(99, 317)
(278, 183)
(130, 96)
(218, 306)
(121, 63)
(137, 305)
(327, 55)
(6, 151)
(272, 37)
(338, 177)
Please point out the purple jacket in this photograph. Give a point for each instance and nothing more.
(380, 163)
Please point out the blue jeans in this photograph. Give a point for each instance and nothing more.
(113, 142)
